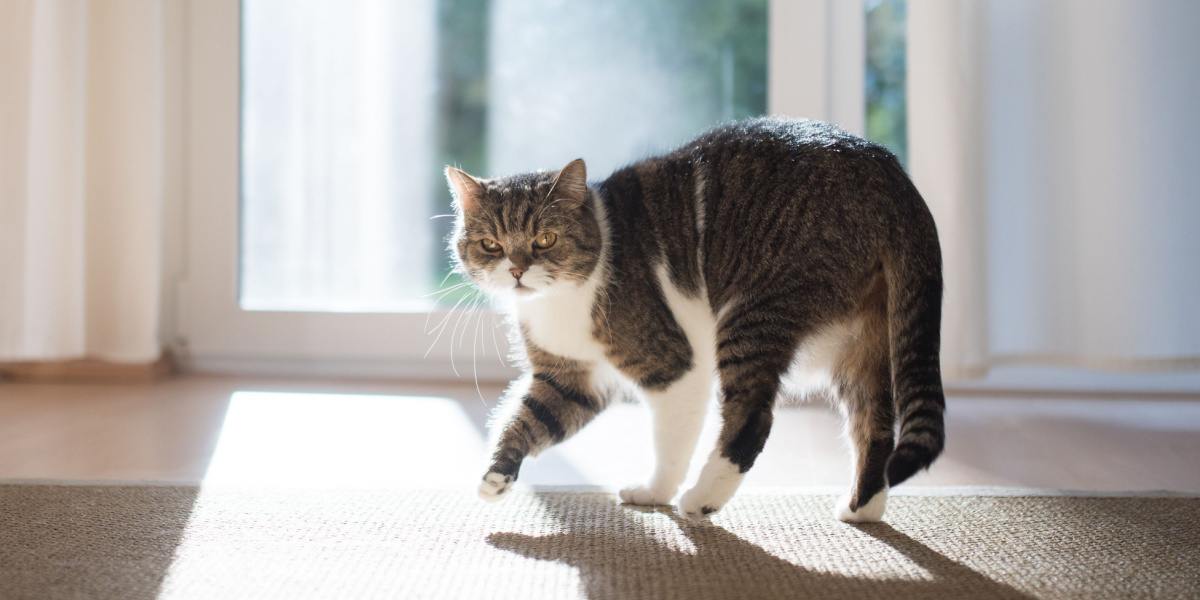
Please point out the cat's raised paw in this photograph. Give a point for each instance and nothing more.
(494, 485)
(641, 495)
(871, 512)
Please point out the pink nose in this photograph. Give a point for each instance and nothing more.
(517, 272)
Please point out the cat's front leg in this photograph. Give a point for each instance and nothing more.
(678, 415)
(542, 410)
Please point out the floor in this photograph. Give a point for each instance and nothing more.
(388, 434)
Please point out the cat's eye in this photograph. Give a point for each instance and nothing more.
(490, 245)
(545, 240)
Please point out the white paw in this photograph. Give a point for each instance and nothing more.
(643, 495)
(494, 485)
(697, 504)
(718, 481)
(871, 512)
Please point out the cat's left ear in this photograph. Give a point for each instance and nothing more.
(571, 182)
(466, 189)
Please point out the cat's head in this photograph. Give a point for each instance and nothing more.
(528, 234)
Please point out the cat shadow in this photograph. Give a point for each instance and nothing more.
(616, 556)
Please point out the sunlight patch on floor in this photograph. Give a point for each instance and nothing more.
(279, 438)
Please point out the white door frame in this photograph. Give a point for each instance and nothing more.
(816, 55)
(817, 61)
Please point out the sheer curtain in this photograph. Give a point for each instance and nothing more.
(1055, 143)
(81, 179)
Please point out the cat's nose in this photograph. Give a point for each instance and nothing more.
(517, 272)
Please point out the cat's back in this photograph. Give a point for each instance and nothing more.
(744, 195)
(762, 161)
(774, 140)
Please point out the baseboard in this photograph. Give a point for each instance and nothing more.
(465, 372)
(1039, 381)
(86, 370)
(1054, 380)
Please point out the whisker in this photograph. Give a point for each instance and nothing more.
(439, 299)
(474, 366)
(444, 291)
(453, 347)
(448, 274)
(449, 314)
(454, 332)
(496, 345)
(441, 327)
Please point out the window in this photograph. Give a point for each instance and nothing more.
(887, 118)
(350, 109)
(316, 131)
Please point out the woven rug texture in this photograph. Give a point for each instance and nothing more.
(133, 542)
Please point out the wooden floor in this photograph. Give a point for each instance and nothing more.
(304, 433)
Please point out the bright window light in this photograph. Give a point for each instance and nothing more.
(350, 109)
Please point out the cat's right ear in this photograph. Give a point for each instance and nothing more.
(466, 189)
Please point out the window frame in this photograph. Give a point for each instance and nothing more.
(815, 69)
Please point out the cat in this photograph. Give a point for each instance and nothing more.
(762, 250)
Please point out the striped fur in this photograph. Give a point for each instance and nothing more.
(763, 250)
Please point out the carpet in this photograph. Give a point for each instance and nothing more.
(183, 542)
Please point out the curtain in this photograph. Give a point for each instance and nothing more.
(81, 179)
(1055, 144)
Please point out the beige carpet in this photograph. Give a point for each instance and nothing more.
(179, 542)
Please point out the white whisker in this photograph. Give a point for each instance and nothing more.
(449, 314)
(455, 347)
(496, 345)
(441, 327)
(444, 291)
(474, 366)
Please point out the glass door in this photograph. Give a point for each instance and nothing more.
(317, 131)
(350, 110)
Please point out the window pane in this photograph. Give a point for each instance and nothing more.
(337, 137)
(350, 109)
(887, 116)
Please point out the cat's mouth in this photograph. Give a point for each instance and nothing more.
(521, 288)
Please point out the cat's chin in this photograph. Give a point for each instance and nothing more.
(520, 293)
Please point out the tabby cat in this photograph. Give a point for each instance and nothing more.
(763, 251)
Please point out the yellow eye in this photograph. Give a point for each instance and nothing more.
(490, 245)
(545, 240)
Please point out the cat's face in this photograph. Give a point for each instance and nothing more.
(525, 235)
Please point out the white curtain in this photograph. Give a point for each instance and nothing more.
(1056, 145)
(81, 179)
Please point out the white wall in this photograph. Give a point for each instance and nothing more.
(1092, 163)
(1063, 165)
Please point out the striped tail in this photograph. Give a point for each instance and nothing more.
(914, 281)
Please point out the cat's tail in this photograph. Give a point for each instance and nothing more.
(914, 281)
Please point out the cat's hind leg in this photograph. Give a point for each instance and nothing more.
(863, 383)
(678, 416)
(871, 444)
(746, 413)
(755, 344)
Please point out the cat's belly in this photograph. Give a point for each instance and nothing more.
(811, 368)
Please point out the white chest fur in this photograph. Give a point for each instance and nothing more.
(561, 323)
